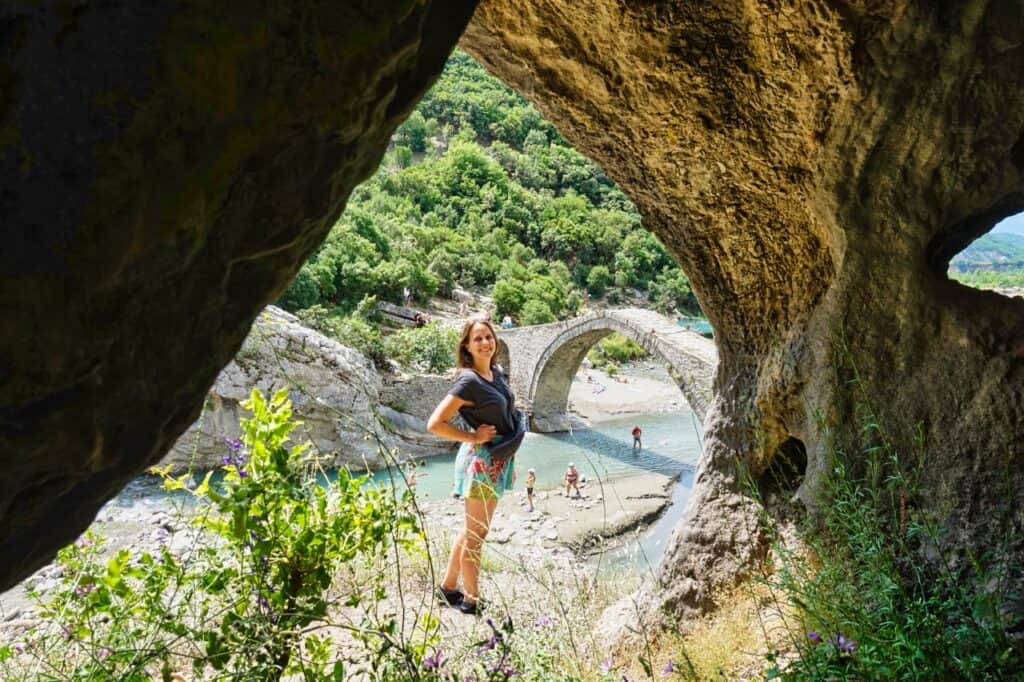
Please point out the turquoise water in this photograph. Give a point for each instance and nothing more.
(671, 447)
(696, 324)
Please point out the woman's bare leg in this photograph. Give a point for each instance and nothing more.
(451, 573)
(478, 521)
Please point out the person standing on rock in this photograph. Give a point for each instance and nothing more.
(484, 466)
(637, 445)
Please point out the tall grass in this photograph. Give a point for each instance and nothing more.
(870, 594)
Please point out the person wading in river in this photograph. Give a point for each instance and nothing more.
(484, 467)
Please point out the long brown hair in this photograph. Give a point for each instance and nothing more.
(463, 358)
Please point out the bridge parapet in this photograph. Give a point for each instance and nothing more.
(544, 358)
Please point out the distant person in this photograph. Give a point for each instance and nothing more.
(572, 480)
(637, 445)
(462, 309)
(506, 322)
(484, 465)
(531, 481)
(406, 295)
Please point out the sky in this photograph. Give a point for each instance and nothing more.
(1013, 224)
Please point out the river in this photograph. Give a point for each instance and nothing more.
(602, 452)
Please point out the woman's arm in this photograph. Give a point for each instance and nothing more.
(445, 410)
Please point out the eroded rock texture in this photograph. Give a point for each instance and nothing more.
(165, 169)
(813, 165)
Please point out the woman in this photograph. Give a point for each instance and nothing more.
(483, 468)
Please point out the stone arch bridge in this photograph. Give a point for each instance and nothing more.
(541, 360)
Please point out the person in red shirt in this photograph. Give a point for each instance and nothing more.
(636, 438)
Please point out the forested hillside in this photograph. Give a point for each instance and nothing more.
(993, 260)
(479, 192)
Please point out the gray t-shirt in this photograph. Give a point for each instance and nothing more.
(493, 402)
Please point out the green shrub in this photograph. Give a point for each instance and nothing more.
(873, 599)
(430, 348)
(509, 297)
(615, 348)
(245, 601)
(536, 312)
(598, 279)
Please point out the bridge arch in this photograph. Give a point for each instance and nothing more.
(545, 359)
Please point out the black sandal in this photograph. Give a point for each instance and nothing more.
(472, 609)
(449, 597)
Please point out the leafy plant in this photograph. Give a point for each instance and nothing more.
(247, 599)
(873, 596)
(430, 348)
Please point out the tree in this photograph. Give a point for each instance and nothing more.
(536, 312)
(599, 279)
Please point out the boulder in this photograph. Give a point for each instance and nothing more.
(334, 391)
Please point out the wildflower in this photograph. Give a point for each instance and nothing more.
(226, 460)
(435, 661)
(814, 637)
(242, 473)
(606, 666)
(843, 644)
(83, 542)
(18, 649)
(543, 622)
(104, 653)
(669, 667)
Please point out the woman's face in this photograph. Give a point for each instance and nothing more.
(481, 343)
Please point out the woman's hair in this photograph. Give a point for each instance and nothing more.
(463, 359)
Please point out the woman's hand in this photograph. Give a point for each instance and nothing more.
(484, 433)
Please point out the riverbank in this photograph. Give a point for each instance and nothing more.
(641, 388)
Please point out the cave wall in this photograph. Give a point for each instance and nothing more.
(813, 166)
(167, 167)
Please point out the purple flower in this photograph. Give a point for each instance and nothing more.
(669, 668)
(543, 622)
(814, 637)
(435, 661)
(242, 473)
(226, 460)
(843, 644)
(606, 666)
(18, 648)
(104, 653)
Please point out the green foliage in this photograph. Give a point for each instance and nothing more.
(354, 331)
(671, 291)
(875, 601)
(990, 279)
(413, 133)
(615, 348)
(506, 190)
(599, 279)
(245, 599)
(430, 348)
(536, 312)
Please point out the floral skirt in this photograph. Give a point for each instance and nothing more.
(478, 476)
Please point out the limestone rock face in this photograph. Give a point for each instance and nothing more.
(813, 166)
(166, 169)
(334, 392)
